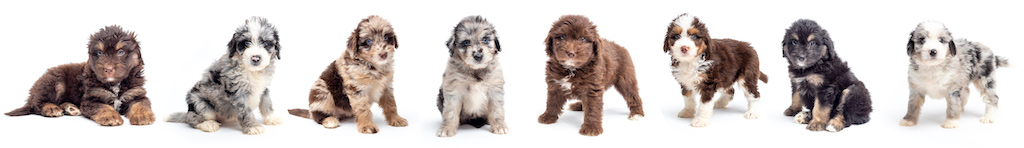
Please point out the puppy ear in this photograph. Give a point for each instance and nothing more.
(138, 49)
(451, 45)
(952, 48)
(910, 45)
(394, 40)
(597, 43)
(668, 39)
(827, 40)
(497, 45)
(234, 44)
(277, 46)
(353, 43)
(548, 46)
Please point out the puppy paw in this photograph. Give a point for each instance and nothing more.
(547, 119)
(141, 118)
(906, 122)
(255, 130)
(108, 118)
(50, 110)
(272, 120)
(987, 120)
(816, 126)
(446, 132)
(398, 122)
(791, 112)
(368, 129)
(591, 130)
(70, 109)
(578, 106)
(208, 126)
(687, 113)
(331, 122)
(950, 124)
(835, 127)
(699, 123)
(636, 117)
(751, 115)
(801, 118)
(721, 103)
(500, 130)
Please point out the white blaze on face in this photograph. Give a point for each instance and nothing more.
(683, 23)
(255, 48)
(935, 32)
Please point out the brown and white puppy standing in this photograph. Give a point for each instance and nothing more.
(582, 65)
(941, 67)
(709, 68)
(359, 78)
(110, 84)
(473, 89)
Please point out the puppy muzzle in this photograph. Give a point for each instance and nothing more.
(256, 59)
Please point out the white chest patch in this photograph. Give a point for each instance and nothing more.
(475, 100)
(116, 89)
(689, 73)
(257, 84)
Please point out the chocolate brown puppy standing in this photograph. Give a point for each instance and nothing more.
(107, 86)
(582, 65)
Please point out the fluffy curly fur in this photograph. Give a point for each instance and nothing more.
(941, 67)
(110, 84)
(582, 65)
(472, 91)
(236, 84)
(361, 76)
(709, 67)
(821, 81)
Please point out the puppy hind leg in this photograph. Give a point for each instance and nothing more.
(987, 88)
(725, 99)
(626, 85)
(70, 109)
(753, 97)
(913, 109)
(50, 110)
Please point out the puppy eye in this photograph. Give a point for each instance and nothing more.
(99, 54)
(465, 42)
(386, 38)
(562, 37)
(813, 43)
(676, 37)
(792, 42)
(693, 37)
(120, 52)
(266, 43)
(583, 38)
(484, 40)
(368, 42)
(247, 43)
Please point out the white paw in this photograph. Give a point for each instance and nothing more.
(445, 132)
(208, 126)
(255, 130)
(906, 122)
(331, 122)
(751, 115)
(988, 120)
(699, 123)
(271, 120)
(636, 117)
(500, 130)
(831, 128)
(950, 124)
(801, 118)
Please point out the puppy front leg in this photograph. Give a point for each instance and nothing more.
(267, 109)
(954, 108)
(387, 103)
(913, 109)
(797, 105)
(96, 106)
(706, 108)
(593, 106)
(140, 112)
(450, 114)
(819, 115)
(690, 104)
(364, 119)
(556, 100)
(496, 118)
(246, 118)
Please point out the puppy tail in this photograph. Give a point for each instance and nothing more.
(1002, 61)
(304, 113)
(763, 77)
(24, 110)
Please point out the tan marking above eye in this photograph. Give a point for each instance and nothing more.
(677, 29)
(119, 45)
(810, 37)
(99, 45)
(692, 31)
(795, 36)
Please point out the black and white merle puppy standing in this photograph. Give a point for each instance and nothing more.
(236, 84)
(941, 67)
(473, 89)
(821, 81)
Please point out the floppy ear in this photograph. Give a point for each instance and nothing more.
(234, 44)
(910, 44)
(277, 45)
(952, 47)
(394, 40)
(828, 43)
(497, 45)
(138, 49)
(451, 45)
(597, 43)
(353, 43)
(668, 38)
(547, 45)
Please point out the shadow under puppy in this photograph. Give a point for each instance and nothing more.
(821, 81)
(236, 84)
(709, 68)
(472, 91)
(361, 76)
(108, 85)
(941, 67)
(582, 65)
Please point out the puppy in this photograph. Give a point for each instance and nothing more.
(473, 88)
(108, 85)
(941, 67)
(361, 76)
(582, 65)
(704, 66)
(236, 84)
(821, 81)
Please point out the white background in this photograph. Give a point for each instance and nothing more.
(180, 39)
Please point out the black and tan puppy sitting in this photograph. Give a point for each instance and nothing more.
(821, 81)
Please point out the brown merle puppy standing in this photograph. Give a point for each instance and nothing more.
(582, 65)
(107, 86)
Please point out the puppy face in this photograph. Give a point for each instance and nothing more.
(373, 41)
(806, 43)
(573, 41)
(255, 44)
(113, 53)
(686, 38)
(474, 42)
(930, 44)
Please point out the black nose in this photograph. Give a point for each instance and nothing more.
(477, 56)
(801, 57)
(932, 52)
(256, 60)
